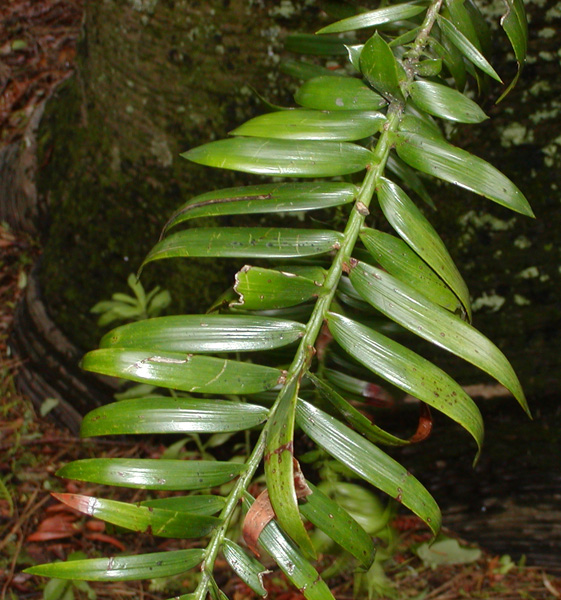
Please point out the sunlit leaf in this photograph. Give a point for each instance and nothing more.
(442, 160)
(302, 124)
(380, 68)
(156, 521)
(338, 93)
(463, 44)
(403, 304)
(247, 568)
(152, 474)
(246, 242)
(123, 568)
(180, 371)
(396, 257)
(415, 229)
(204, 333)
(171, 415)
(446, 103)
(408, 371)
(380, 16)
(267, 198)
(368, 461)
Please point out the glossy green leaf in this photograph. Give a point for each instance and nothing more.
(396, 257)
(410, 309)
(373, 18)
(308, 43)
(431, 67)
(204, 333)
(123, 568)
(279, 468)
(368, 461)
(185, 372)
(291, 562)
(442, 160)
(484, 33)
(380, 68)
(205, 505)
(262, 289)
(410, 178)
(247, 568)
(171, 415)
(405, 38)
(408, 371)
(301, 69)
(246, 242)
(354, 55)
(336, 522)
(282, 158)
(303, 124)
(421, 126)
(152, 474)
(160, 522)
(415, 229)
(446, 103)
(460, 17)
(354, 417)
(267, 198)
(463, 44)
(338, 93)
(452, 58)
(516, 28)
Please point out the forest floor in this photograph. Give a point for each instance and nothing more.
(37, 48)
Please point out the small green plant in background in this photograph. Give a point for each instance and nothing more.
(124, 307)
(279, 360)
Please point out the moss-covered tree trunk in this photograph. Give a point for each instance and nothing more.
(154, 78)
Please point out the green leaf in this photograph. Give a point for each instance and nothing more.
(463, 44)
(291, 562)
(380, 68)
(246, 242)
(446, 551)
(431, 67)
(410, 178)
(397, 258)
(422, 126)
(268, 198)
(359, 422)
(408, 371)
(403, 304)
(336, 522)
(205, 333)
(308, 43)
(123, 568)
(205, 505)
(516, 28)
(156, 521)
(303, 124)
(262, 289)
(186, 372)
(442, 160)
(453, 59)
(338, 93)
(461, 19)
(282, 158)
(171, 415)
(446, 103)
(373, 18)
(152, 474)
(247, 568)
(368, 462)
(279, 468)
(354, 55)
(415, 229)
(301, 69)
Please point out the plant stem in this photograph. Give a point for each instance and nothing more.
(341, 263)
